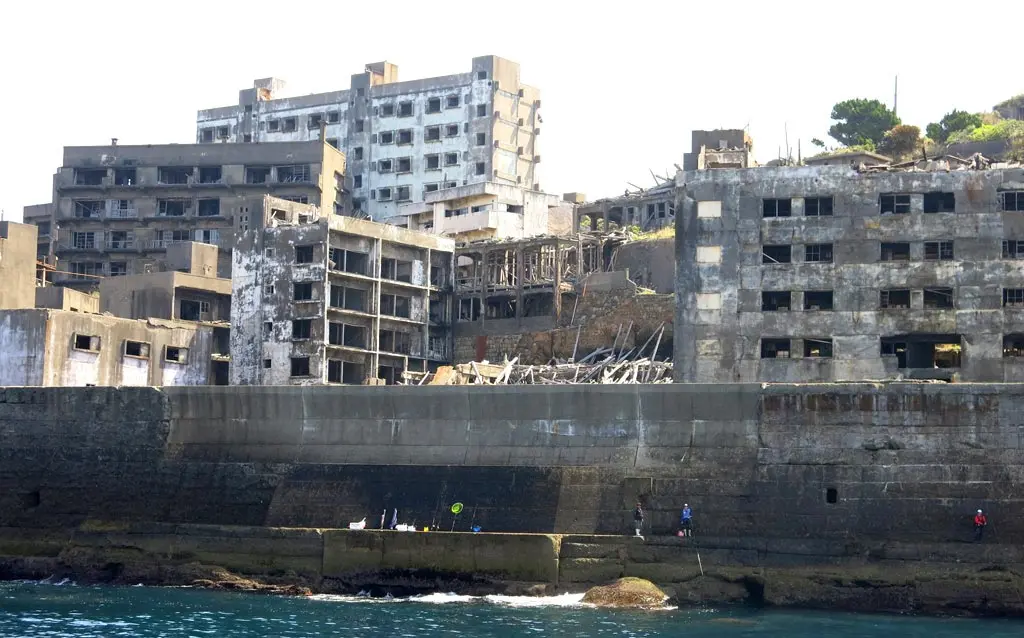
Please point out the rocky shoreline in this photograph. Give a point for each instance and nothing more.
(936, 591)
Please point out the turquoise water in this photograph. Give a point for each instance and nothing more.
(31, 609)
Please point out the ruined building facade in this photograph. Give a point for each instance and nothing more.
(327, 299)
(403, 140)
(828, 274)
(118, 208)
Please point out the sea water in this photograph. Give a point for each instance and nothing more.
(68, 611)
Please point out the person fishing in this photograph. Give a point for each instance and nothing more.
(979, 526)
(686, 521)
(638, 518)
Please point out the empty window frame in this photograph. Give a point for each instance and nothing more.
(314, 120)
(273, 126)
(333, 117)
(403, 165)
(384, 166)
(302, 328)
(357, 153)
(481, 110)
(451, 130)
(172, 207)
(1012, 201)
(403, 194)
(383, 194)
(341, 334)
(89, 343)
(300, 367)
(293, 173)
(432, 134)
(815, 347)
(350, 261)
(776, 254)
(360, 125)
(405, 109)
(776, 208)
(405, 136)
(939, 202)
(174, 354)
(481, 168)
(1013, 249)
(304, 254)
(818, 253)
(776, 300)
(893, 204)
(137, 349)
(394, 305)
(210, 174)
(818, 300)
(289, 124)
(386, 137)
(387, 110)
(898, 299)
(348, 298)
(451, 159)
(432, 162)
(481, 139)
(257, 174)
(939, 250)
(938, 298)
(452, 102)
(818, 206)
(174, 175)
(775, 348)
(434, 105)
(1013, 345)
(1013, 297)
(208, 207)
(895, 251)
(302, 291)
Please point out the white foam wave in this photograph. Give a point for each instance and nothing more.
(441, 599)
(562, 600)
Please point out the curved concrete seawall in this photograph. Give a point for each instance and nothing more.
(901, 462)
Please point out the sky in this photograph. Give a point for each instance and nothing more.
(622, 84)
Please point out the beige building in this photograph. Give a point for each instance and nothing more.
(17, 265)
(332, 299)
(118, 208)
(44, 347)
(62, 298)
(41, 216)
(403, 139)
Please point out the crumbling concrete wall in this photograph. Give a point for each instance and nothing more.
(723, 273)
(17, 265)
(651, 263)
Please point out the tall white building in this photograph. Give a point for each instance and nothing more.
(404, 140)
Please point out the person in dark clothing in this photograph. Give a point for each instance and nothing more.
(638, 518)
(979, 526)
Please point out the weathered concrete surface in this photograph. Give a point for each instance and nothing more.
(907, 462)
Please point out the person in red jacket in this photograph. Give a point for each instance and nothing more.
(979, 526)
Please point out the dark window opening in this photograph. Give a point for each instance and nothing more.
(359, 125)
(405, 137)
(350, 261)
(395, 305)
(405, 109)
(387, 110)
(481, 168)
(341, 334)
(1013, 249)
(776, 254)
(300, 367)
(124, 176)
(390, 374)
(481, 110)
(208, 207)
(1013, 345)
(289, 124)
(303, 254)
(433, 162)
(433, 133)
(138, 349)
(481, 139)
(173, 175)
(894, 299)
(358, 152)
(210, 174)
(1013, 297)
(939, 203)
(348, 298)
(451, 130)
(892, 204)
(895, 251)
(776, 300)
(257, 174)
(774, 348)
(172, 207)
(302, 291)
(302, 328)
(452, 102)
(396, 270)
(333, 117)
(923, 351)
(267, 364)
(296, 173)
(434, 105)
(777, 207)
(174, 354)
(87, 342)
(90, 176)
(394, 341)
(469, 309)
(831, 495)
(1013, 201)
(818, 206)
(940, 250)
(404, 165)
(818, 252)
(818, 348)
(818, 300)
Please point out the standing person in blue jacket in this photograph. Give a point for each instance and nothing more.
(686, 521)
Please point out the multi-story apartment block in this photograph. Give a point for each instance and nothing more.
(330, 299)
(824, 273)
(402, 140)
(118, 208)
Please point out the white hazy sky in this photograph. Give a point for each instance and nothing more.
(622, 84)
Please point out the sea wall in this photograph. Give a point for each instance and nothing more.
(849, 462)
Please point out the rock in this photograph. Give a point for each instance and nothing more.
(635, 593)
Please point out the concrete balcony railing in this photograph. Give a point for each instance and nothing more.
(123, 213)
(120, 244)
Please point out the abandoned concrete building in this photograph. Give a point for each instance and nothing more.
(522, 285)
(720, 148)
(403, 140)
(842, 158)
(41, 216)
(486, 210)
(44, 347)
(325, 300)
(118, 208)
(826, 273)
(648, 209)
(17, 265)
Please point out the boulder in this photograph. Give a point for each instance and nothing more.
(634, 593)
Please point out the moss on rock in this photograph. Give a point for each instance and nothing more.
(635, 593)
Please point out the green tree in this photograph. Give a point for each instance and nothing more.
(861, 122)
(952, 122)
(901, 140)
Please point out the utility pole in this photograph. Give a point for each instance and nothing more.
(895, 94)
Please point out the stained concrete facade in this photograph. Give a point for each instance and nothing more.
(828, 274)
(17, 265)
(402, 139)
(63, 298)
(118, 208)
(648, 210)
(41, 216)
(320, 300)
(720, 148)
(64, 348)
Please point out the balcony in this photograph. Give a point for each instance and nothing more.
(127, 243)
(160, 244)
(123, 213)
